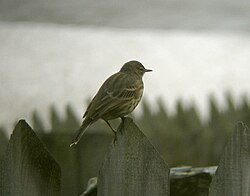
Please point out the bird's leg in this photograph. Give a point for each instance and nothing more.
(123, 118)
(111, 127)
(114, 131)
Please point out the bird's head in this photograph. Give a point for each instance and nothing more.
(134, 67)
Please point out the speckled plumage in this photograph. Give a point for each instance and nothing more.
(117, 97)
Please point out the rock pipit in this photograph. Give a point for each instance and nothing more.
(117, 97)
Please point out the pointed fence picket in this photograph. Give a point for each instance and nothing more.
(131, 166)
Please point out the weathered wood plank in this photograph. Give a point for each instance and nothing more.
(232, 177)
(184, 181)
(132, 166)
(188, 181)
(28, 168)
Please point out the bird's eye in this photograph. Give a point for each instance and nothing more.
(141, 69)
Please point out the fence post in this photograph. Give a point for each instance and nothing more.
(132, 166)
(28, 168)
(233, 174)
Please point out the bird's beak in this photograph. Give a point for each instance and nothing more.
(147, 70)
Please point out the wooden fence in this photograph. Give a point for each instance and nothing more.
(131, 167)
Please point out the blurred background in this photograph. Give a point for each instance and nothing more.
(54, 55)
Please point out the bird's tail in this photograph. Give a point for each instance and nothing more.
(81, 131)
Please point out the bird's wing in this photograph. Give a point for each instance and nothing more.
(121, 94)
(89, 106)
(116, 90)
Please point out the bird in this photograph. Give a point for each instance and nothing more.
(117, 97)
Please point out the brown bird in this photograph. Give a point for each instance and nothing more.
(117, 97)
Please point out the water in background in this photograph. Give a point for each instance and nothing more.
(195, 15)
